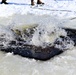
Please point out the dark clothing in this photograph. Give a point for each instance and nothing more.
(4, 1)
(38, 2)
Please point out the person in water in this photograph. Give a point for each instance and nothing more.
(38, 2)
(4, 1)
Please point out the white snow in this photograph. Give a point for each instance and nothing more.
(65, 9)
(52, 7)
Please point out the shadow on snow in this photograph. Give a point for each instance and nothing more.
(12, 3)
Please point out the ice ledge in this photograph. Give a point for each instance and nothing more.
(9, 10)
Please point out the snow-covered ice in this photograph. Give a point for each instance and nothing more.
(64, 8)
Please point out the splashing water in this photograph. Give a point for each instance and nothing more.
(42, 32)
(5, 36)
(47, 35)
